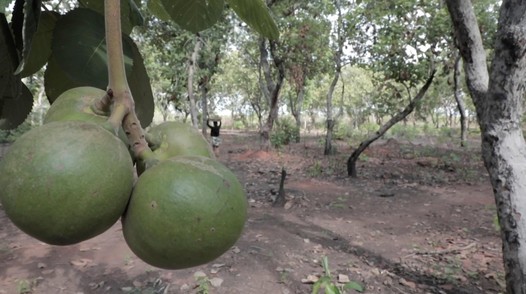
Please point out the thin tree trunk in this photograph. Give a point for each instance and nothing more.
(191, 71)
(498, 96)
(271, 89)
(330, 121)
(461, 105)
(204, 105)
(351, 162)
(338, 69)
(296, 109)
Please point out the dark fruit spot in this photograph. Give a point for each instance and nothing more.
(153, 204)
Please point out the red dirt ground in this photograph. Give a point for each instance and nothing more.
(419, 219)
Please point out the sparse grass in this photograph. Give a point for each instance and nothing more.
(326, 282)
(24, 286)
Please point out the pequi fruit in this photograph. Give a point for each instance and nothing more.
(184, 211)
(171, 139)
(65, 182)
(76, 104)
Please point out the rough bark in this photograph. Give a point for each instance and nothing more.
(271, 88)
(498, 98)
(192, 64)
(461, 105)
(351, 162)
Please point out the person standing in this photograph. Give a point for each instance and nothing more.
(214, 133)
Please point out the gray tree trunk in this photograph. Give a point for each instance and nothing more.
(497, 96)
(461, 105)
(192, 66)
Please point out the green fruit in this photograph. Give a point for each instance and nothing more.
(171, 139)
(184, 211)
(65, 182)
(76, 105)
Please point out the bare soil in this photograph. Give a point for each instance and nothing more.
(419, 219)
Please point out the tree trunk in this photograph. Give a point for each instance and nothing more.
(337, 72)
(271, 89)
(330, 121)
(204, 105)
(192, 64)
(296, 109)
(497, 96)
(351, 162)
(461, 105)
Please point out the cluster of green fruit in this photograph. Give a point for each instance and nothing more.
(72, 179)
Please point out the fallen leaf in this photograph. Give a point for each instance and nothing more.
(83, 262)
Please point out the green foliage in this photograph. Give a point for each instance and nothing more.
(24, 287)
(254, 14)
(13, 112)
(203, 284)
(401, 131)
(315, 169)
(284, 133)
(40, 45)
(9, 136)
(325, 282)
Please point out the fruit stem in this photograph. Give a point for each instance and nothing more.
(102, 106)
(123, 112)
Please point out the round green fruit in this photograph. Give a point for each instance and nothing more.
(184, 211)
(173, 138)
(65, 182)
(76, 105)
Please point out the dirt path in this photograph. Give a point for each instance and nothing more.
(417, 221)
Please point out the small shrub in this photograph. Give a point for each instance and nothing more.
(284, 133)
(342, 132)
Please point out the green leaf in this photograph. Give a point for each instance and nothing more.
(40, 45)
(157, 9)
(56, 81)
(331, 289)
(9, 83)
(25, 19)
(325, 265)
(79, 48)
(13, 112)
(256, 14)
(130, 13)
(195, 15)
(316, 287)
(354, 286)
(139, 83)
